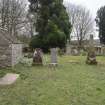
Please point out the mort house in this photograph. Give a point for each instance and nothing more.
(10, 49)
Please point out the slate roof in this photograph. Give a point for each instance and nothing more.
(6, 38)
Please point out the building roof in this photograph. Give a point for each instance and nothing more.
(6, 38)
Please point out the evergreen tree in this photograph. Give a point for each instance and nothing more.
(52, 24)
(100, 20)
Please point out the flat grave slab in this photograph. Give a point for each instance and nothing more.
(9, 79)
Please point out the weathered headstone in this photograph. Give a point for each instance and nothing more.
(37, 57)
(91, 57)
(75, 52)
(53, 56)
(68, 48)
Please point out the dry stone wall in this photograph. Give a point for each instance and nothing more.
(10, 55)
(5, 55)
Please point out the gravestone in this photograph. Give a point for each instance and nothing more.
(75, 52)
(68, 48)
(53, 56)
(91, 57)
(9, 79)
(37, 57)
(102, 50)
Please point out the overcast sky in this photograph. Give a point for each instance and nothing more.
(92, 5)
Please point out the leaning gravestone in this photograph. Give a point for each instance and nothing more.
(37, 57)
(91, 57)
(53, 57)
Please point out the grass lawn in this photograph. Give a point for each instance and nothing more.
(68, 84)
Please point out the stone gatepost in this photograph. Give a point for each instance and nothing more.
(102, 50)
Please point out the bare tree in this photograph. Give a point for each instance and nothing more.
(82, 22)
(12, 15)
(30, 26)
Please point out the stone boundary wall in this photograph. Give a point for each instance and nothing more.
(5, 55)
(10, 55)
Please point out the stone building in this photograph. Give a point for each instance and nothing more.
(10, 49)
